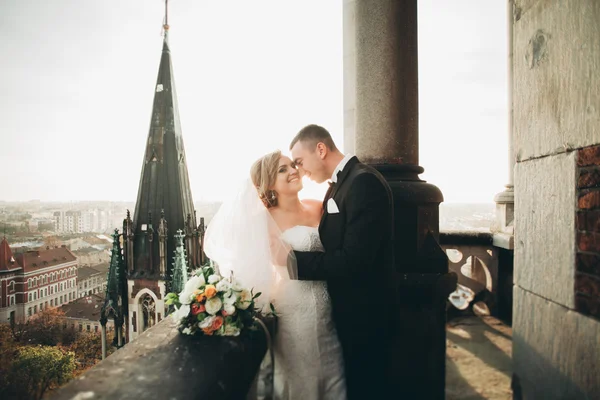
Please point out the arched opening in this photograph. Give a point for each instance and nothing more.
(148, 311)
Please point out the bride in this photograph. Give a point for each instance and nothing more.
(252, 236)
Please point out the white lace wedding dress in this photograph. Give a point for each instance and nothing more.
(307, 352)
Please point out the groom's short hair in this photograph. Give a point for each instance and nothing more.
(311, 135)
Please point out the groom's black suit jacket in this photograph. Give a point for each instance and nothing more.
(358, 259)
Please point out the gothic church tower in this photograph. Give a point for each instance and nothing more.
(164, 205)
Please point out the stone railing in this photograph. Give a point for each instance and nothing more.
(474, 258)
(163, 364)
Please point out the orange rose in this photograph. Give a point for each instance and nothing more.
(207, 331)
(200, 298)
(210, 291)
(217, 323)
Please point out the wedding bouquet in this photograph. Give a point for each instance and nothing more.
(213, 305)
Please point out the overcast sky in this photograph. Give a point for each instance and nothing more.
(78, 80)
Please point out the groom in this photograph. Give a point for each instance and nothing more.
(356, 229)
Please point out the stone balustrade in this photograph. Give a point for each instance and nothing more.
(482, 267)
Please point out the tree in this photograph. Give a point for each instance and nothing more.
(45, 327)
(8, 229)
(7, 354)
(45, 226)
(37, 369)
(18, 328)
(87, 348)
(68, 336)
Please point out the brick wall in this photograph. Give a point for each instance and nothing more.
(587, 278)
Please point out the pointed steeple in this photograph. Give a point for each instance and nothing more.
(180, 275)
(164, 182)
(115, 301)
(7, 261)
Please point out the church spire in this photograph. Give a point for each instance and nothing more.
(163, 207)
(164, 183)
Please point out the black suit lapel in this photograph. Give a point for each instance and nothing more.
(342, 175)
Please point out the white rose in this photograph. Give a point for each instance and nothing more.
(185, 297)
(244, 300)
(229, 309)
(206, 323)
(194, 283)
(213, 305)
(230, 298)
(181, 312)
(187, 331)
(214, 279)
(223, 285)
(231, 330)
(236, 285)
(220, 331)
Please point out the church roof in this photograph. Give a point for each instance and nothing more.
(164, 183)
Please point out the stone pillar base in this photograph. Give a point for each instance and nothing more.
(419, 346)
(416, 212)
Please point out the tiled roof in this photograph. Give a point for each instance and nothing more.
(87, 250)
(34, 260)
(103, 268)
(84, 273)
(96, 240)
(87, 307)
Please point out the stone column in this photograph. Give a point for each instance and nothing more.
(503, 227)
(387, 114)
(382, 104)
(119, 329)
(349, 52)
(103, 341)
(387, 99)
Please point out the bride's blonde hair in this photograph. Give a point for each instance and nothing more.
(264, 174)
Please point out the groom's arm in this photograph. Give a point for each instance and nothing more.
(367, 225)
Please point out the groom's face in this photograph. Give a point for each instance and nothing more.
(309, 161)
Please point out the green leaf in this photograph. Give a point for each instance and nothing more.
(256, 295)
(202, 316)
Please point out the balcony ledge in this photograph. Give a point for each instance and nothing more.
(164, 364)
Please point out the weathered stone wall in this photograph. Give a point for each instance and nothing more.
(556, 95)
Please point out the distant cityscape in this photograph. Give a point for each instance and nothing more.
(29, 224)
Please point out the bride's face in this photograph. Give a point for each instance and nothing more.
(288, 179)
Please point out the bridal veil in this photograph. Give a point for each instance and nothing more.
(244, 240)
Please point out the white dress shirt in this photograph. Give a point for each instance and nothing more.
(340, 167)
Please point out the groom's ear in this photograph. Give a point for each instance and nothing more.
(322, 150)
